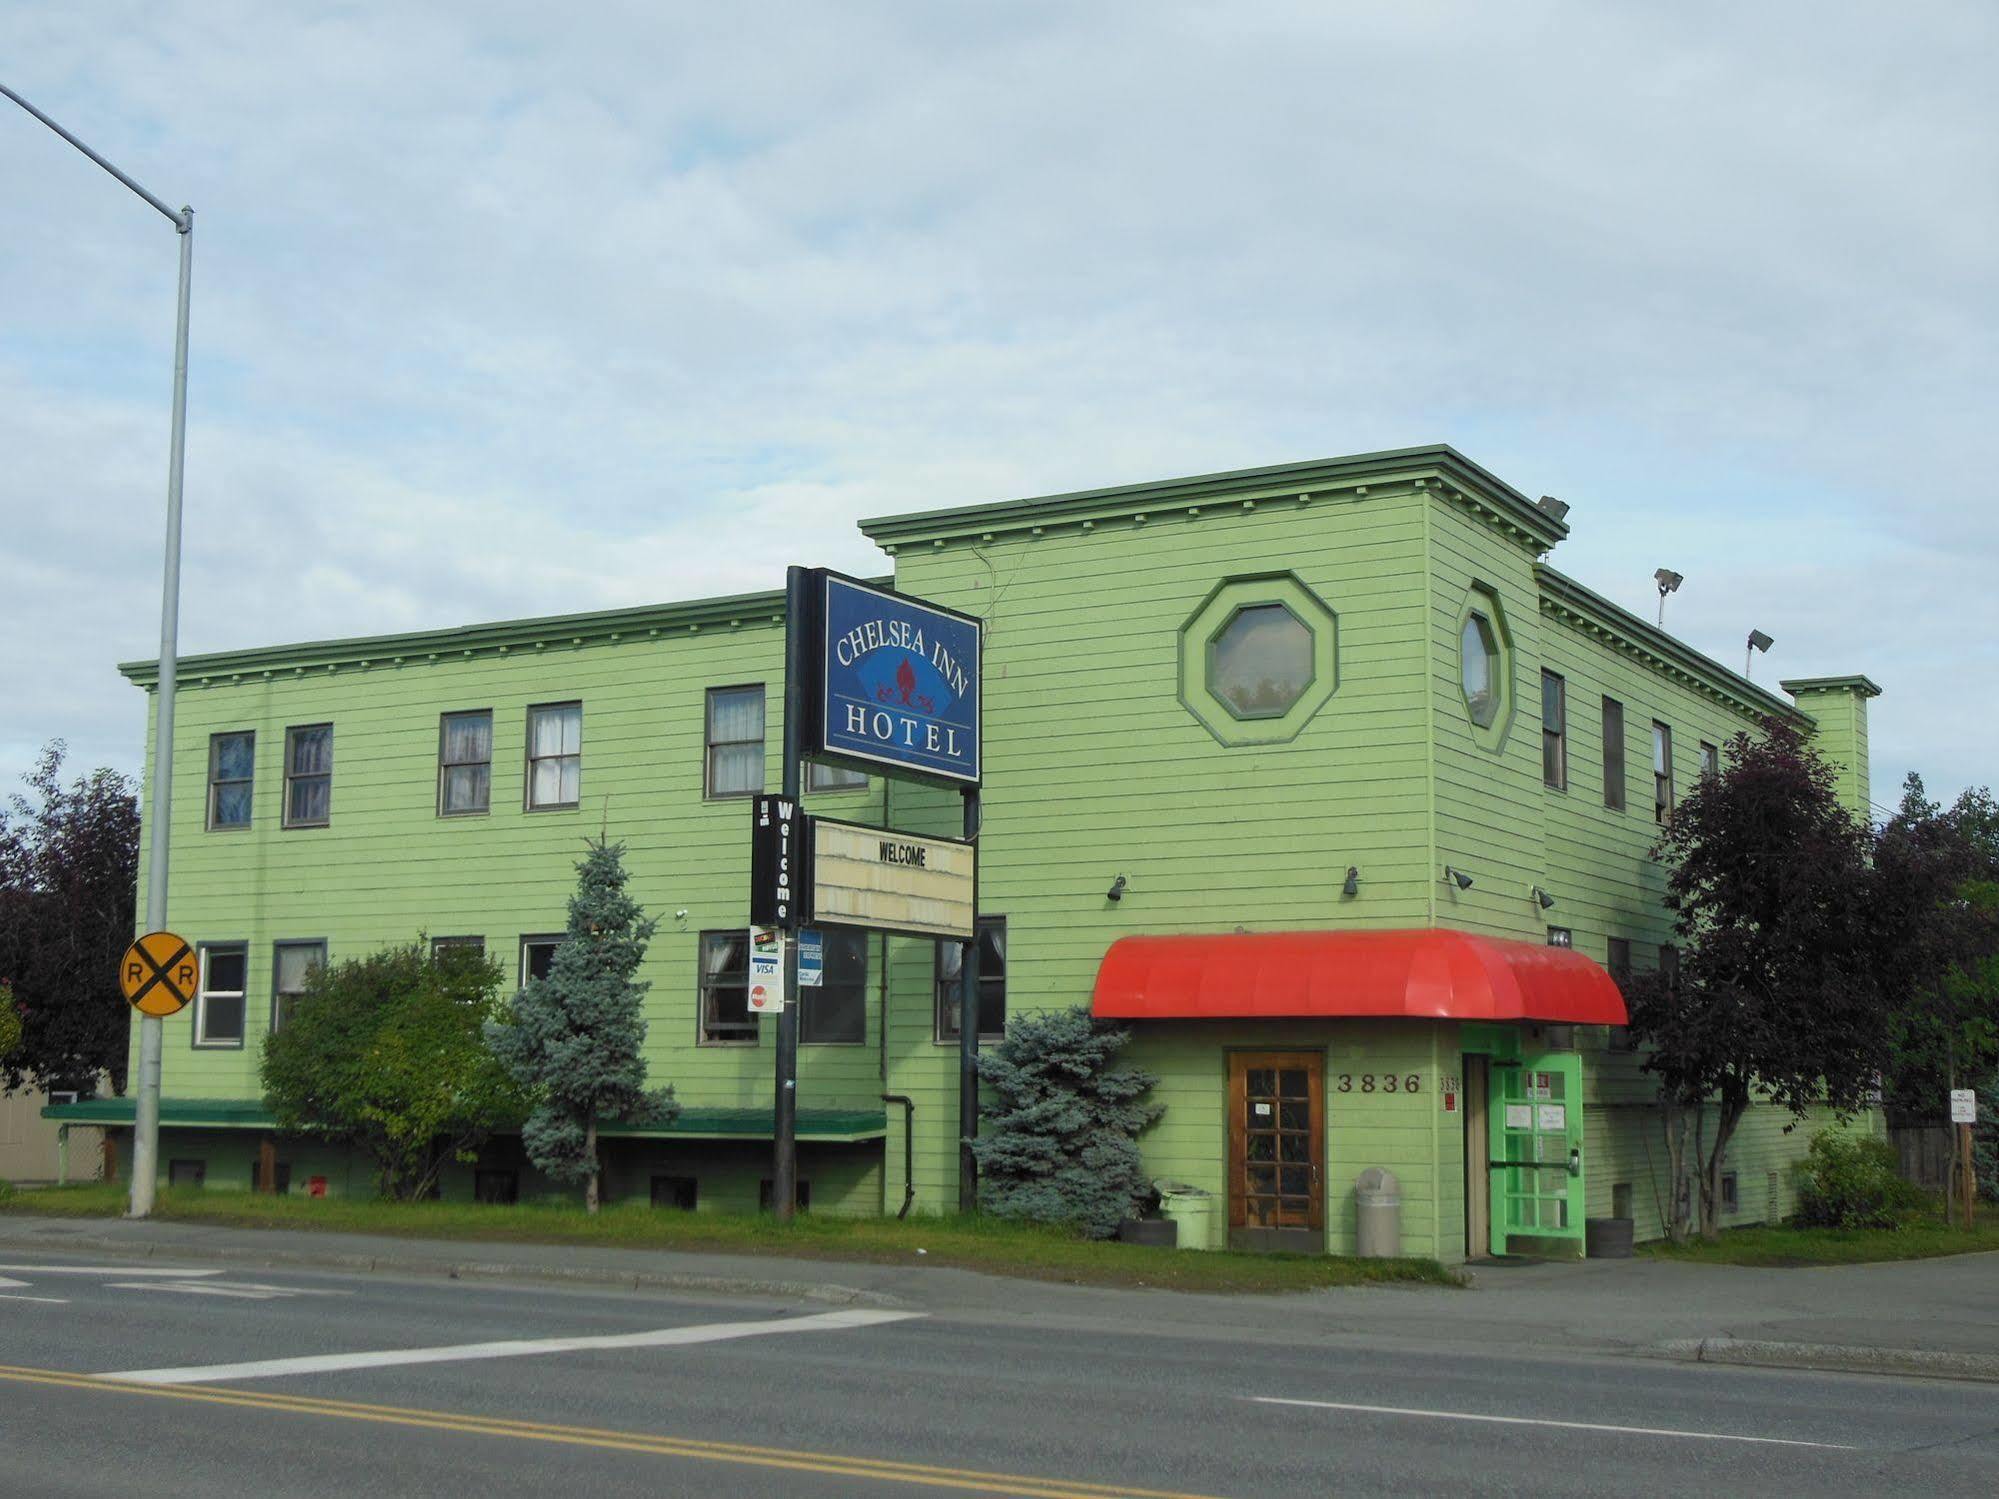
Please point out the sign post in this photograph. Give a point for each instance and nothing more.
(1964, 1114)
(887, 684)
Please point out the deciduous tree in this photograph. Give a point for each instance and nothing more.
(1777, 992)
(574, 1040)
(69, 860)
(388, 1052)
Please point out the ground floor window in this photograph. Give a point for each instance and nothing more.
(992, 981)
(187, 1173)
(218, 1014)
(725, 989)
(537, 954)
(835, 1011)
(678, 1192)
(496, 1186)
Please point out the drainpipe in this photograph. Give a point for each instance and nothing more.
(908, 1149)
(62, 1155)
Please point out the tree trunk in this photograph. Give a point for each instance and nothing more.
(1674, 1116)
(590, 1181)
(1733, 1106)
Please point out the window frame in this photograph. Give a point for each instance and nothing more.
(1616, 795)
(467, 939)
(705, 985)
(275, 1022)
(536, 939)
(444, 766)
(528, 803)
(285, 818)
(198, 1037)
(1489, 646)
(709, 743)
(1710, 759)
(826, 937)
(816, 768)
(214, 744)
(944, 1035)
(1556, 738)
(1662, 780)
(1211, 677)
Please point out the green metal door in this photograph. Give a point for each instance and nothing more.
(1536, 1130)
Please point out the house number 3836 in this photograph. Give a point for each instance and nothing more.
(1387, 1082)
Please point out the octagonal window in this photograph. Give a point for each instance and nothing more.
(1260, 662)
(1478, 651)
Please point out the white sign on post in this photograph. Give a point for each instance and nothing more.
(766, 991)
(1963, 1106)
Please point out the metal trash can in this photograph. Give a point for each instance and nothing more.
(1191, 1211)
(1377, 1199)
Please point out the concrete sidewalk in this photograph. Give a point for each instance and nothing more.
(1919, 1317)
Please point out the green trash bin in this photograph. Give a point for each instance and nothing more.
(1191, 1210)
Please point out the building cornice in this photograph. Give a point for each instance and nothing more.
(1596, 616)
(1437, 468)
(465, 642)
(1854, 684)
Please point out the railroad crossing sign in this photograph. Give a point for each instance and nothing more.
(159, 974)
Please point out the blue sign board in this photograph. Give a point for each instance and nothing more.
(899, 682)
(811, 958)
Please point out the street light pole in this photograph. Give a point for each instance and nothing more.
(146, 1121)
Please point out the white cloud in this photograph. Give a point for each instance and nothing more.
(500, 310)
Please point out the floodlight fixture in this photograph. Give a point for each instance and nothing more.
(1457, 877)
(1758, 641)
(1669, 582)
(1352, 884)
(1118, 887)
(1543, 899)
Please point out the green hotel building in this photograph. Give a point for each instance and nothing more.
(1375, 784)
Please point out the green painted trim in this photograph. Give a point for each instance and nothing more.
(1564, 596)
(1419, 466)
(1197, 636)
(500, 636)
(1859, 684)
(842, 1125)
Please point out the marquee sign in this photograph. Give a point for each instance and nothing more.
(899, 682)
(779, 870)
(892, 882)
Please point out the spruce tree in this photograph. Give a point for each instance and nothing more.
(1061, 1138)
(575, 1040)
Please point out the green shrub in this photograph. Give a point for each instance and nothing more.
(1060, 1143)
(1851, 1181)
(6, 1191)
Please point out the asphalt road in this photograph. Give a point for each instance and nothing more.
(231, 1380)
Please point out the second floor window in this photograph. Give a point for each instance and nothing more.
(833, 778)
(465, 763)
(1554, 731)
(555, 756)
(538, 956)
(735, 741)
(309, 776)
(1710, 759)
(1613, 754)
(218, 1009)
(1662, 773)
(232, 760)
(292, 963)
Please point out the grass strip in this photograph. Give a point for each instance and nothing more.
(983, 1244)
(1781, 1246)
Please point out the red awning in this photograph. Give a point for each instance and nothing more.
(1429, 974)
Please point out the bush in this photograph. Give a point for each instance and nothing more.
(1061, 1144)
(6, 1192)
(1852, 1181)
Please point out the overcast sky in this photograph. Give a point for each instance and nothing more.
(507, 309)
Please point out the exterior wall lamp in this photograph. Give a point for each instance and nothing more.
(1543, 899)
(1458, 877)
(1118, 887)
(1352, 883)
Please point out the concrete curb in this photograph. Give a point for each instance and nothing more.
(454, 1269)
(1835, 1358)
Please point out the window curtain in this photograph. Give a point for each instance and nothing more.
(468, 740)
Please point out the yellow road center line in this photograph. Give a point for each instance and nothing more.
(881, 1469)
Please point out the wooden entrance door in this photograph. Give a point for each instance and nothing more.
(1277, 1140)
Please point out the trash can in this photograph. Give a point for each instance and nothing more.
(1377, 1199)
(1190, 1209)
